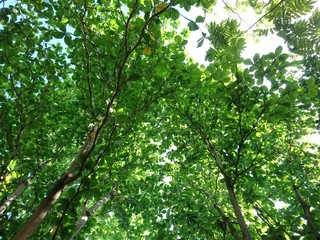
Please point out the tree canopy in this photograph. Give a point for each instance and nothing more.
(109, 130)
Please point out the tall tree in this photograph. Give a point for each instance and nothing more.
(110, 131)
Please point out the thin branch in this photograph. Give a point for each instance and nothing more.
(207, 141)
(123, 223)
(264, 15)
(88, 77)
(127, 24)
(232, 10)
(129, 51)
(147, 24)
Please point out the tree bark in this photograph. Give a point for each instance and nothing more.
(88, 213)
(13, 196)
(233, 231)
(306, 210)
(32, 223)
(243, 226)
(72, 174)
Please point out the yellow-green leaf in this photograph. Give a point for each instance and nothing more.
(131, 27)
(146, 51)
(152, 36)
(161, 6)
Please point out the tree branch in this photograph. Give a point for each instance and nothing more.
(264, 15)
(233, 231)
(306, 210)
(14, 195)
(85, 33)
(86, 214)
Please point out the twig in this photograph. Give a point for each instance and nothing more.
(231, 9)
(264, 15)
(84, 26)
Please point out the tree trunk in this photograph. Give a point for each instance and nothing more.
(32, 223)
(72, 174)
(233, 231)
(243, 226)
(306, 210)
(88, 213)
(14, 195)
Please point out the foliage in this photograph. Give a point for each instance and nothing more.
(112, 132)
(300, 33)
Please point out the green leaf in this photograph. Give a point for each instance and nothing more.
(178, 39)
(200, 19)
(62, 27)
(58, 34)
(77, 31)
(187, 6)
(313, 92)
(283, 56)
(2, 98)
(259, 75)
(311, 81)
(174, 14)
(193, 26)
(240, 44)
(278, 50)
(68, 40)
(7, 69)
(200, 42)
(248, 61)
(256, 57)
(184, 42)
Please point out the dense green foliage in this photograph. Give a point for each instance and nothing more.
(109, 131)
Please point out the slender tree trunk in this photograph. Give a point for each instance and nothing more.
(14, 195)
(243, 226)
(233, 231)
(88, 213)
(72, 174)
(306, 209)
(32, 223)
